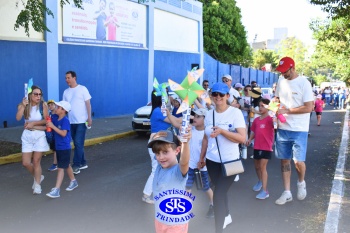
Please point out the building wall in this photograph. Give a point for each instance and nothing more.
(111, 75)
(19, 61)
(119, 79)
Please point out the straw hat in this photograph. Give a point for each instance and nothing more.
(255, 92)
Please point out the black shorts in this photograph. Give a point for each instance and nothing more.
(52, 145)
(262, 154)
(318, 113)
(63, 158)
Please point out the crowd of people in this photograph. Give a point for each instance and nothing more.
(238, 116)
(338, 96)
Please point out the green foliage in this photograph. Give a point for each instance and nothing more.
(319, 78)
(294, 48)
(261, 57)
(224, 35)
(34, 14)
(335, 8)
(333, 47)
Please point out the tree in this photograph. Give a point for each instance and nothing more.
(335, 8)
(224, 35)
(34, 13)
(261, 57)
(333, 47)
(293, 47)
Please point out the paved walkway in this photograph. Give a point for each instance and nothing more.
(103, 129)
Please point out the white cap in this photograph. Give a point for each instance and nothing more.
(64, 104)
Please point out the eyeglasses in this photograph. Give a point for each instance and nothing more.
(206, 85)
(226, 80)
(215, 94)
(37, 94)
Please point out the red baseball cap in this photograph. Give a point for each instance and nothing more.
(285, 64)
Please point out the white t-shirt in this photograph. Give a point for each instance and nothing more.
(196, 147)
(228, 149)
(294, 93)
(76, 97)
(233, 92)
(327, 93)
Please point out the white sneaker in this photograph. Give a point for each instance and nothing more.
(41, 180)
(301, 190)
(37, 189)
(236, 178)
(228, 220)
(284, 198)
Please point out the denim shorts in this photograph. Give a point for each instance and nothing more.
(191, 177)
(63, 158)
(291, 144)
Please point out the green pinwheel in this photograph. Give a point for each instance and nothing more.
(189, 89)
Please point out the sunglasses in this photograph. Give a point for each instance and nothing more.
(37, 94)
(226, 80)
(215, 94)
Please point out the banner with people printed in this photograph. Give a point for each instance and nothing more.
(105, 22)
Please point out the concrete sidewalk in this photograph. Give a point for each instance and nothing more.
(103, 129)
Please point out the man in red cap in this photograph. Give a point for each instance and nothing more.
(296, 97)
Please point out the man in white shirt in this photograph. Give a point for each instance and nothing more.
(296, 97)
(233, 92)
(79, 116)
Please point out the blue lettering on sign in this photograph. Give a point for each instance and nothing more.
(135, 14)
(175, 206)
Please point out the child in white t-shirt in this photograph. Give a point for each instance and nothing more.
(195, 148)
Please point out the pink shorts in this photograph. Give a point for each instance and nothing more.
(163, 228)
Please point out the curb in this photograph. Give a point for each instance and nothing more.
(14, 158)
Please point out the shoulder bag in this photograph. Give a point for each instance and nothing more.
(232, 167)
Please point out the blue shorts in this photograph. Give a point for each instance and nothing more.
(191, 177)
(291, 144)
(63, 158)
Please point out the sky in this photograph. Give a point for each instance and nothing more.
(262, 16)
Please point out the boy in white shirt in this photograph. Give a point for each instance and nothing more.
(195, 148)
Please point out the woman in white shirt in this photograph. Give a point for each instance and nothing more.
(226, 125)
(34, 143)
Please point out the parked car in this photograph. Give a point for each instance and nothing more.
(266, 91)
(141, 122)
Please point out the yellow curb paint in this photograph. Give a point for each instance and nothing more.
(14, 158)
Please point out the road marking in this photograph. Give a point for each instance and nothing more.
(335, 202)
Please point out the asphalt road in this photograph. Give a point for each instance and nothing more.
(108, 198)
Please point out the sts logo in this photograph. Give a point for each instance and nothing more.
(175, 206)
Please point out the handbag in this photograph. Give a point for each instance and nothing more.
(232, 167)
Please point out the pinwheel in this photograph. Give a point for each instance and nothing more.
(274, 106)
(160, 90)
(188, 91)
(28, 87)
